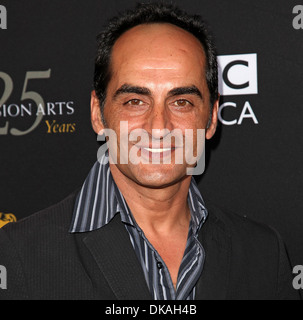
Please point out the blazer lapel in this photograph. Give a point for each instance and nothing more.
(111, 248)
(213, 283)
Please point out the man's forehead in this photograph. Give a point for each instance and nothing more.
(157, 41)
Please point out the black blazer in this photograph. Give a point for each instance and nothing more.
(244, 260)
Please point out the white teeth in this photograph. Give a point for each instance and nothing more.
(157, 150)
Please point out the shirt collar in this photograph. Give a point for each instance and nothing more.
(99, 200)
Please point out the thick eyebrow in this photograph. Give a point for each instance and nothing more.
(126, 88)
(186, 90)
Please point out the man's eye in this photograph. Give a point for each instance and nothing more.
(182, 103)
(134, 102)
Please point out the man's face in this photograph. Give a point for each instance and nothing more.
(158, 82)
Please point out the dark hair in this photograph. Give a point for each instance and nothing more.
(146, 14)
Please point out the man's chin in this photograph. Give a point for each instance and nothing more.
(155, 176)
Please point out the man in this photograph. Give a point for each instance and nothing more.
(140, 229)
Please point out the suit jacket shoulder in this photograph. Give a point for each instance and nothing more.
(57, 216)
(40, 255)
(244, 258)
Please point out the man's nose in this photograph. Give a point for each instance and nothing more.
(159, 122)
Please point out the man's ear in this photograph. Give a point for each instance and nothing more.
(214, 120)
(96, 118)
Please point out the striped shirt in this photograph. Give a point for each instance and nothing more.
(100, 200)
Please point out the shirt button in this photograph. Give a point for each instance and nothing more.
(159, 265)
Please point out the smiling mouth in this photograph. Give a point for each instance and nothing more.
(157, 150)
(158, 154)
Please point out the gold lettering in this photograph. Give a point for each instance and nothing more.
(49, 126)
(60, 128)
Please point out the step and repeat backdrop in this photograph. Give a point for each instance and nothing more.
(254, 164)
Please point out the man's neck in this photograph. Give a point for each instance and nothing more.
(159, 210)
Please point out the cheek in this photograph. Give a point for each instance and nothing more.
(194, 121)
